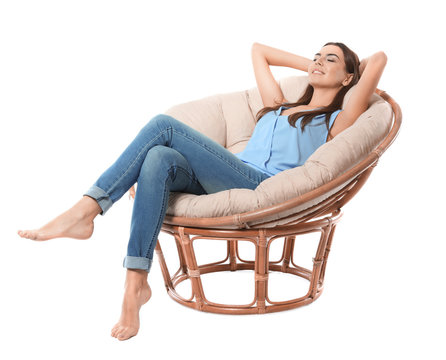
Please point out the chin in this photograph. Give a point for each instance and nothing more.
(318, 84)
(312, 82)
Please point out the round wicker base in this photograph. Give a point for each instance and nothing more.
(262, 239)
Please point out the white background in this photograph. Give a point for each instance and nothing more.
(80, 78)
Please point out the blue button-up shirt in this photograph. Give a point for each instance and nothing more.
(276, 146)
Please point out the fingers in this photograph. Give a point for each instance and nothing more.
(132, 192)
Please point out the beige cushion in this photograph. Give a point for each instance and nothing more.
(229, 119)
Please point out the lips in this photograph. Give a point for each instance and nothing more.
(318, 72)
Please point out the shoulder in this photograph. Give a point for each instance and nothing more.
(334, 116)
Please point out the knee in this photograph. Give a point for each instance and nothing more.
(162, 121)
(159, 123)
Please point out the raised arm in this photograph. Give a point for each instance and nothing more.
(371, 70)
(262, 57)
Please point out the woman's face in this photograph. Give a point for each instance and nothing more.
(330, 61)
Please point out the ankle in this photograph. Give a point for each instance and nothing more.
(89, 207)
(136, 279)
(136, 288)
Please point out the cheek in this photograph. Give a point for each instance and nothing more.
(339, 75)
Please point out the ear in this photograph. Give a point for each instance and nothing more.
(348, 80)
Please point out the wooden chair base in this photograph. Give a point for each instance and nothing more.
(262, 239)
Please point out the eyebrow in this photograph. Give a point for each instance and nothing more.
(328, 55)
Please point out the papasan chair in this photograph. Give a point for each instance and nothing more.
(293, 202)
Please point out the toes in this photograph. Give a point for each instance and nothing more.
(124, 333)
(25, 234)
(120, 334)
(114, 330)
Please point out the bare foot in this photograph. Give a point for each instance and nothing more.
(134, 297)
(76, 223)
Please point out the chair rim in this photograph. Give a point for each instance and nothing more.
(363, 168)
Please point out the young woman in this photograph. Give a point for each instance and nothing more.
(167, 155)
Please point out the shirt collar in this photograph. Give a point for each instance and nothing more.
(279, 110)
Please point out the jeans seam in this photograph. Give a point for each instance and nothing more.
(162, 207)
(216, 154)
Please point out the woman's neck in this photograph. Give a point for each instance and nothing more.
(322, 97)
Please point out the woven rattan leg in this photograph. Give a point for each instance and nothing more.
(318, 260)
(232, 245)
(288, 247)
(164, 270)
(192, 268)
(327, 251)
(261, 271)
(181, 256)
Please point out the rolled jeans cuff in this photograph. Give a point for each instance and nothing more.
(135, 262)
(102, 198)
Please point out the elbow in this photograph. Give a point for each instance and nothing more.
(381, 56)
(255, 46)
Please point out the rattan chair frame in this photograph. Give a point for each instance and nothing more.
(322, 217)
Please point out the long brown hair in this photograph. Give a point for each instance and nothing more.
(351, 66)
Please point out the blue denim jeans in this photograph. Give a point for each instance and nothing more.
(167, 155)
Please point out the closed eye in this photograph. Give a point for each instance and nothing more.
(327, 60)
